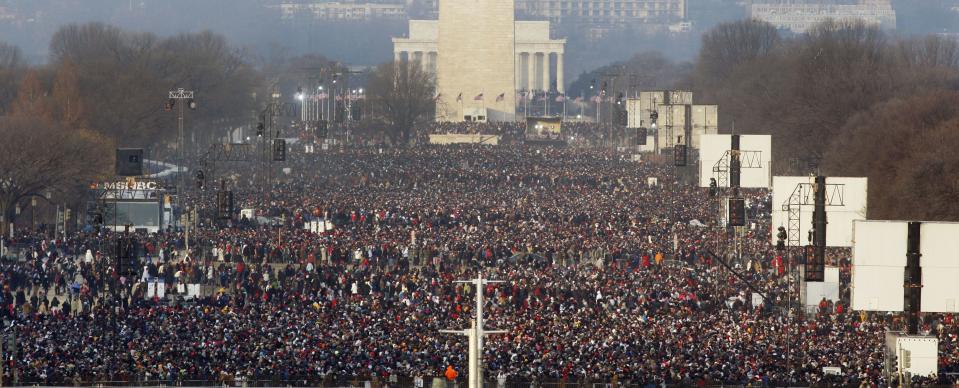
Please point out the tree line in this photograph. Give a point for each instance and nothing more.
(845, 99)
(102, 88)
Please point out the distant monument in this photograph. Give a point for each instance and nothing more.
(477, 42)
(482, 57)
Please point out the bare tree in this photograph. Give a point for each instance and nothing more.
(10, 56)
(906, 148)
(67, 102)
(731, 44)
(125, 76)
(42, 156)
(930, 51)
(404, 94)
(32, 99)
(11, 69)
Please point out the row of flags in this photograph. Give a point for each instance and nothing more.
(339, 97)
(538, 97)
(479, 97)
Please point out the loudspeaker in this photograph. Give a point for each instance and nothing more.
(814, 270)
(679, 155)
(279, 150)
(641, 136)
(622, 118)
(129, 162)
(224, 205)
(737, 212)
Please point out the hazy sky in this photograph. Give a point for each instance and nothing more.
(250, 24)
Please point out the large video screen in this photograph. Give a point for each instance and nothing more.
(140, 214)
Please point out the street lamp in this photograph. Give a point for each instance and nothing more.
(178, 96)
(655, 133)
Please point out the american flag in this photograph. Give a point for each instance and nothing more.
(578, 99)
(500, 97)
(560, 98)
(596, 99)
(479, 97)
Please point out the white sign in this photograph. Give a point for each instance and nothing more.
(879, 261)
(920, 353)
(815, 292)
(155, 289)
(850, 192)
(756, 156)
(193, 291)
(757, 299)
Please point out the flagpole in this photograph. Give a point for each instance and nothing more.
(486, 112)
(546, 102)
(564, 107)
(581, 98)
(598, 101)
(526, 111)
(526, 105)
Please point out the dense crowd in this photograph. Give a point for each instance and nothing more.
(609, 276)
(580, 133)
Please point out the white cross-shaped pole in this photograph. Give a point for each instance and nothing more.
(476, 332)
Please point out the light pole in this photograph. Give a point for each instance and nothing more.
(302, 99)
(321, 101)
(476, 332)
(333, 97)
(176, 98)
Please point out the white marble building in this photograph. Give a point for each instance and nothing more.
(535, 59)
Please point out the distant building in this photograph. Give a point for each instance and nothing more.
(7, 15)
(605, 13)
(536, 54)
(599, 15)
(800, 16)
(346, 10)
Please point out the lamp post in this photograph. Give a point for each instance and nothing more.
(272, 134)
(321, 102)
(176, 98)
(655, 134)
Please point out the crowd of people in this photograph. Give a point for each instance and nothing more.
(579, 133)
(610, 276)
